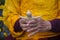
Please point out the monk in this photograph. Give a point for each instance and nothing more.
(49, 10)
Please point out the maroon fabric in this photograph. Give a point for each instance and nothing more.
(55, 25)
(10, 38)
(17, 27)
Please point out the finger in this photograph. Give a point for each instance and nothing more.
(33, 33)
(22, 21)
(31, 22)
(24, 25)
(24, 29)
(32, 29)
(38, 25)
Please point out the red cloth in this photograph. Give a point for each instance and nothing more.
(10, 38)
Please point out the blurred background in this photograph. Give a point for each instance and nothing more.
(4, 32)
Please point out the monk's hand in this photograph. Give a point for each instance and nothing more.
(34, 24)
(23, 24)
(38, 25)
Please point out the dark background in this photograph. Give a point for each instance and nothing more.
(3, 28)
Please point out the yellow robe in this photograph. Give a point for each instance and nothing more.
(47, 9)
